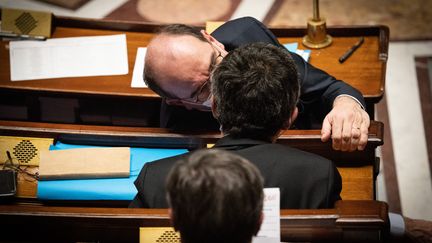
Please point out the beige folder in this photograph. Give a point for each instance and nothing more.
(84, 163)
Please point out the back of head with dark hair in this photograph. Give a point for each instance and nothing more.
(255, 89)
(176, 30)
(215, 196)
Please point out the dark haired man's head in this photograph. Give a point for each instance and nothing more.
(178, 63)
(255, 91)
(215, 196)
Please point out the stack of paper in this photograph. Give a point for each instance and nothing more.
(68, 57)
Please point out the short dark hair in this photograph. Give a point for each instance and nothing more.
(172, 29)
(255, 89)
(215, 196)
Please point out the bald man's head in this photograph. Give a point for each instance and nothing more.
(176, 65)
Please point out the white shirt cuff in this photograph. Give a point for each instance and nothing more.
(352, 97)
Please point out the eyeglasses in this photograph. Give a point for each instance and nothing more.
(202, 94)
(25, 172)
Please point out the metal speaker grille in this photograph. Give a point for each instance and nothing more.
(25, 151)
(169, 236)
(26, 23)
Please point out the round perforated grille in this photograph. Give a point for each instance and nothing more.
(25, 151)
(169, 236)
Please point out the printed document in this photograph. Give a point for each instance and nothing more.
(270, 228)
(68, 57)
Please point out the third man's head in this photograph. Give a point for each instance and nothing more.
(215, 196)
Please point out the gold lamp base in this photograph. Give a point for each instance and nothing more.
(317, 36)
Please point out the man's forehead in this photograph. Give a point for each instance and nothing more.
(175, 48)
(181, 52)
(170, 41)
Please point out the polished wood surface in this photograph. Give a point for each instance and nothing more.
(349, 221)
(365, 69)
(356, 168)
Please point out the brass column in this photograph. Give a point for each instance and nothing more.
(317, 36)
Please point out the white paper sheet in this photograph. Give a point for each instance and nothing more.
(270, 228)
(137, 76)
(68, 57)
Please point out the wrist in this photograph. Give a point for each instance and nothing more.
(347, 100)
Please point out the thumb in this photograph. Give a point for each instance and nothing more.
(326, 130)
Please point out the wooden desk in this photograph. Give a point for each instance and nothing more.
(364, 70)
(358, 169)
(349, 221)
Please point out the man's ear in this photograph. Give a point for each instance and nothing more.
(211, 39)
(291, 120)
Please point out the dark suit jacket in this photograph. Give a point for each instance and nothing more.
(305, 180)
(318, 89)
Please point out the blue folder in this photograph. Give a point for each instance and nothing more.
(102, 189)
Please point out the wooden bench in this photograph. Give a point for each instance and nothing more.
(349, 221)
(358, 169)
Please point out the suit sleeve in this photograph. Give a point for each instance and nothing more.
(139, 199)
(318, 89)
(151, 183)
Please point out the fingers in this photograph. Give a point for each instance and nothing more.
(364, 131)
(356, 132)
(347, 124)
(336, 136)
(326, 129)
(342, 131)
(349, 131)
(346, 135)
